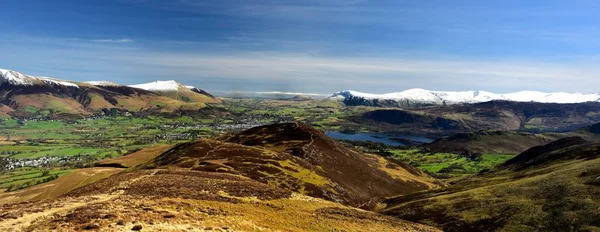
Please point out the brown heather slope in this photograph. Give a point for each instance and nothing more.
(187, 200)
(555, 187)
(188, 195)
(299, 158)
(5, 111)
(134, 159)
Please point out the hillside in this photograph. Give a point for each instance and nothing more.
(494, 115)
(29, 96)
(184, 200)
(490, 142)
(546, 188)
(296, 157)
(175, 90)
(283, 177)
(503, 142)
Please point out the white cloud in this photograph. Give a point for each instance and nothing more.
(112, 40)
(444, 74)
(296, 72)
(290, 93)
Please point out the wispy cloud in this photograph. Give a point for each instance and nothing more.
(296, 72)
(291, 93)
(112, 40)
(376, 74)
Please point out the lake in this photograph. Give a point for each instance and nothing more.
(385, 138)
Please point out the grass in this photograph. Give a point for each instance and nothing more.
(447, 165)
(69, 151)
(558, 196)
(97, 137)
(29, 177)
(67, 180)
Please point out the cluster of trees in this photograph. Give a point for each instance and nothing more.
(3, 164)
(44, 177)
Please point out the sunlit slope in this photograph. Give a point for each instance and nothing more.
(299, 158)
(547, 188)
(187, 200)
(29, 96)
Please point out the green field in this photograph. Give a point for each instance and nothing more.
(27, 177)
(447, 165)
(99, 137)
(85, 141)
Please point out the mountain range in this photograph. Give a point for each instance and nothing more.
(422, 97)
(494, 115)
(23, 95)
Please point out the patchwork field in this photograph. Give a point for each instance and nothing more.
(449, 165)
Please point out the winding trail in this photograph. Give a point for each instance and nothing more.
(68, 205)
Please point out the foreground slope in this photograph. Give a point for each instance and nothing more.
(299, 158)
(226, 185)
(555, 187)
(185, 200)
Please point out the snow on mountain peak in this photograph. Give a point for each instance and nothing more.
(17, 78)
(170, 85)
(102, 83)
(460, 97)
(14, 77)
(58, 82)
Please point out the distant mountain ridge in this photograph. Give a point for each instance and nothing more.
(422, 97)
(23, 95)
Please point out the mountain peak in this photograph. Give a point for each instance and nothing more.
(102, 83)
(170, 85)
(418, 96)
(15, 78)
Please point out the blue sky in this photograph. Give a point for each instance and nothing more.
(309, 46)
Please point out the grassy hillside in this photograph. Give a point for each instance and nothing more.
(548, 188)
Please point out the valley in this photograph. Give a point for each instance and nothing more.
(299, 116)
(333, 159)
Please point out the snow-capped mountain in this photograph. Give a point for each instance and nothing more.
(175, 89)
(422, 97)
(102, 83)
(17, 78)
(170, 85)
(24, 95)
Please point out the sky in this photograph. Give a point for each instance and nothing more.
(311, 46)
